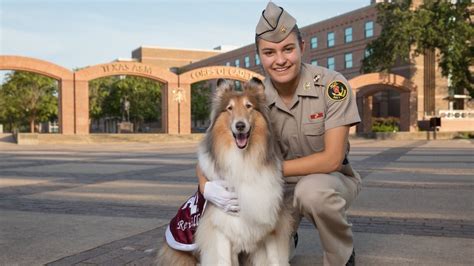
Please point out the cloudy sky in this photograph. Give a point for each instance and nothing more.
(78, 33)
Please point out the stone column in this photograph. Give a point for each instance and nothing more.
(367, 114)
(172, 94)
(66, 106)
(441, 85)
(360, 108)
(185, 120)
(405, 116)
(413, 99)
(81, 95)
(179, 108)
(418, 79)
(164, 108)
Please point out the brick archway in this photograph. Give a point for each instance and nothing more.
(366, 85)
(65, 80)
(206, 73)
(83, 76)
(74, 88)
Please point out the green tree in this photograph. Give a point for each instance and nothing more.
(200, 101)
(395, 40)
(448, 28)
(99, 89)
(107, 94)
(3, 106)
(144, 96)
(439, 26)
(9, 113)
(28, 98)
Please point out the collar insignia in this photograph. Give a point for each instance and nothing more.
(316, 79)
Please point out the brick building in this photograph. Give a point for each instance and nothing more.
(172, 57)
(339, 43)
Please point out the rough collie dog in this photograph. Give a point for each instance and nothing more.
(239, 148)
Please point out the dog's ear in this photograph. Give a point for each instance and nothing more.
(220, 82)
(254, 81)
(255, 85)
(223, 85)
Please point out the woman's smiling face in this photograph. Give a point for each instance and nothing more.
(281, 61)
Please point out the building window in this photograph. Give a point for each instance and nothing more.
(369, 29)
(314, 42)
(227, 64)
(348, 60)
(247, 61)
(348, 35)
(314, 62)
(257, 60)
(367, 52)
(237, 63)
(331, 63)
(330, 39)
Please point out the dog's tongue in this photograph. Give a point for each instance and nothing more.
(241, 140)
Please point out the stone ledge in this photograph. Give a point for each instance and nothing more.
(35, 138)
(422, 135)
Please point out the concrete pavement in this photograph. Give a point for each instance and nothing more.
(109, 204)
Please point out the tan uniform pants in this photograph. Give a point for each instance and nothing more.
(324, 199)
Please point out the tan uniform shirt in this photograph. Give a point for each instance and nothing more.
(316, 107)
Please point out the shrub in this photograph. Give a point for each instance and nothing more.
(385, 124)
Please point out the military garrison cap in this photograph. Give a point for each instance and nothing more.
(275, 24)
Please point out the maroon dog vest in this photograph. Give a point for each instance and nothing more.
(180, 232)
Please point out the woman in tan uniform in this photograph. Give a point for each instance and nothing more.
(311, 110)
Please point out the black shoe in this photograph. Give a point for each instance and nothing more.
(352, 259)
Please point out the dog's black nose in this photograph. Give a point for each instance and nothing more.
(240, 126)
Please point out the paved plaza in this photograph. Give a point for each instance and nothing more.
(109, 204)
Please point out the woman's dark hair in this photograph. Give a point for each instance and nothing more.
(295, 30)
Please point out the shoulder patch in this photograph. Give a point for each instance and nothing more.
(337, 90)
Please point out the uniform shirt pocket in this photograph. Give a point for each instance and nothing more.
(314, 134)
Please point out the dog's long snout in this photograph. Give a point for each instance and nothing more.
(240, 126)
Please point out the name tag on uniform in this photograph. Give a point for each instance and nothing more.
(316, 115)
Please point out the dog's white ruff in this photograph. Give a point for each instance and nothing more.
(259, 188)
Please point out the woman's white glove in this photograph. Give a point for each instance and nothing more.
(222, 195)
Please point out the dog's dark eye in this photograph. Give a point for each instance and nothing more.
(248, 105)
(229, 108)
